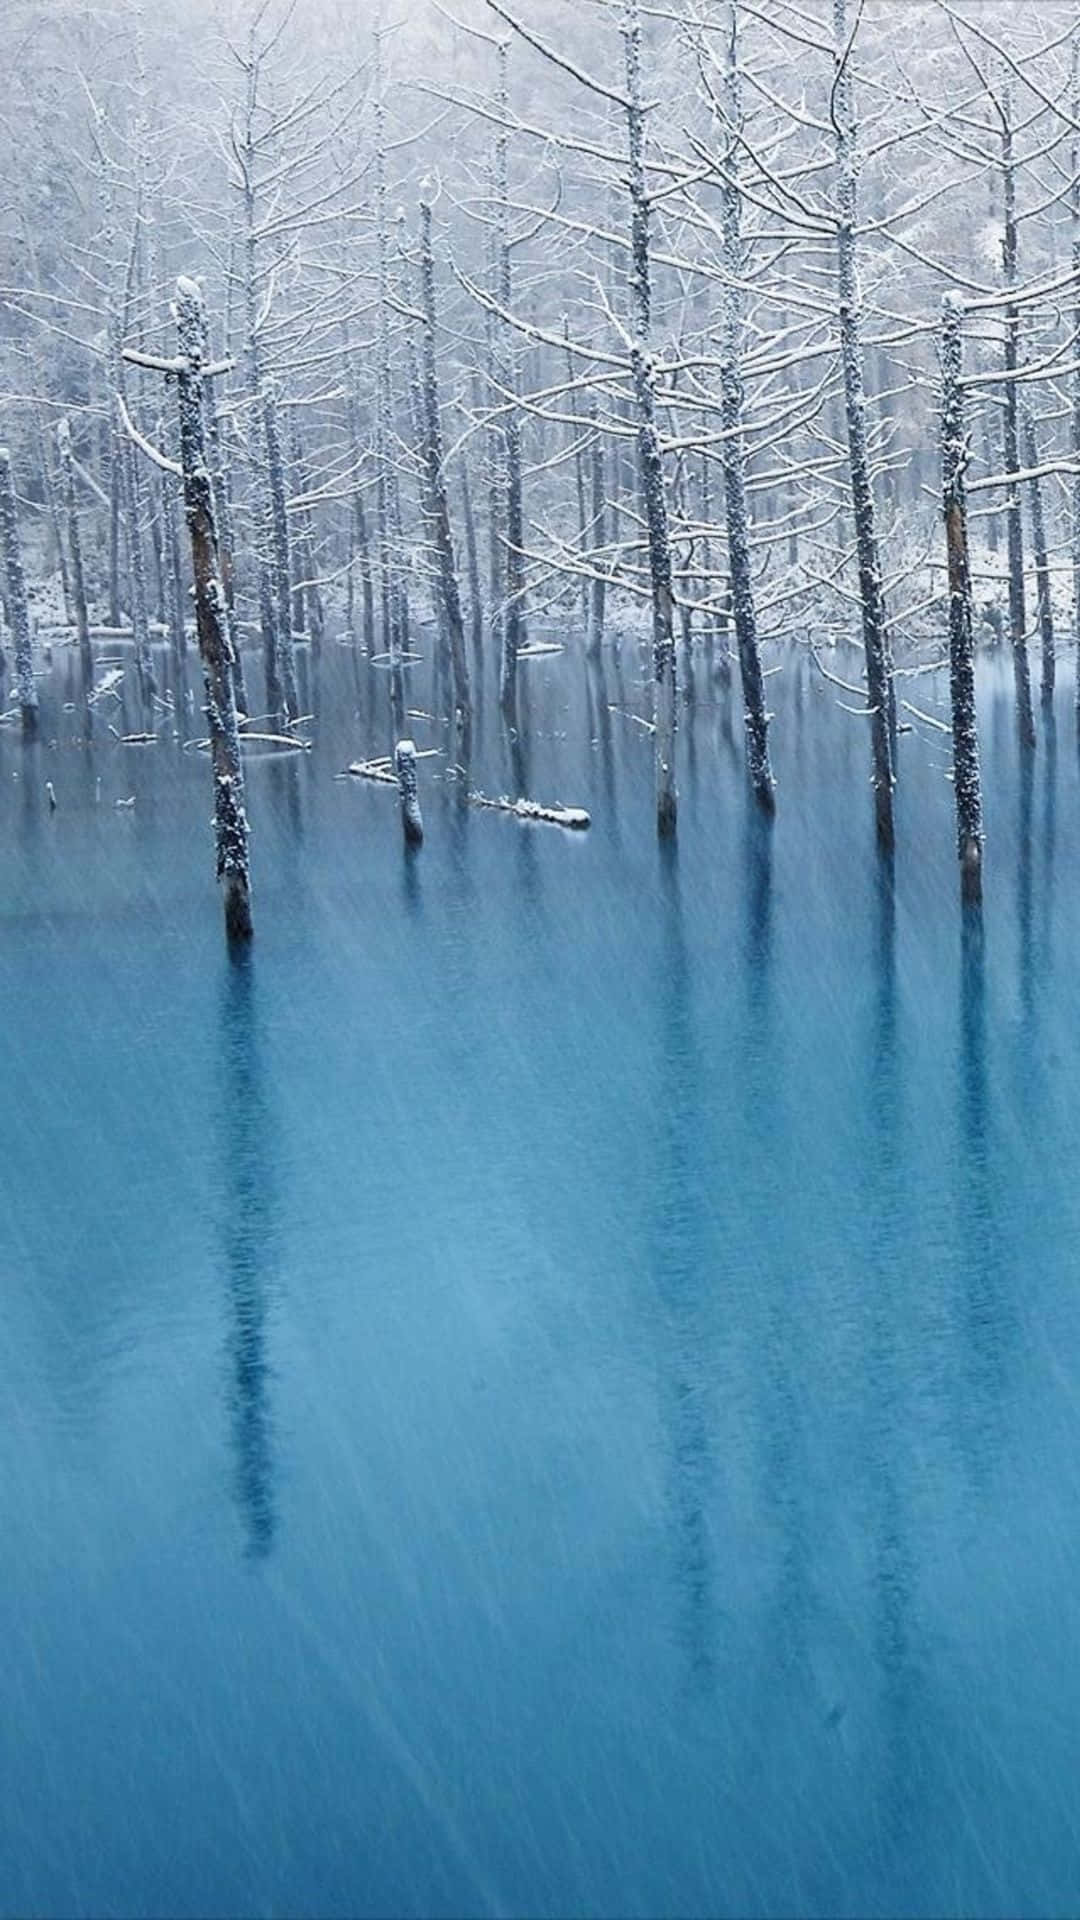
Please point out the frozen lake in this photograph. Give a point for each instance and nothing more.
(553, 1386)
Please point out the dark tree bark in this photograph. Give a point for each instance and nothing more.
(411, 818)
(472, 563)
(1042, 563)
(18, 605)
(879, 683)
(967, 785)
(78, 575)
(215, 646)
(1013, 527)
(599, 539)
(734, 453)
(649, 459)
(436, 478)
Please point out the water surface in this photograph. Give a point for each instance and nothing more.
(552, 1386)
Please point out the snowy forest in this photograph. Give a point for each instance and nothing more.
(541, 1371)
(718, 326)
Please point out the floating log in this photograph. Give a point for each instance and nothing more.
(575, 817)
(382, 769)
(373, 770)
(107, 686)
(287, 741)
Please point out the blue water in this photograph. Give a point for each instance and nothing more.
(552, 1387)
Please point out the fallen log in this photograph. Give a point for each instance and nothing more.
(575, 817)
(382, 769)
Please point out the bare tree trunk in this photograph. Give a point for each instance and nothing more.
(306, 590)
(230, 819)
(52, 505)
(140, 621)
(879, 683)
(418, 424)
(579, 470)
(1075, 423)
(967, 785)
(279, 526)
(358, 518)
(1042, 563)
(411, 818)
(599, 538)
(18, 605)
(440, 506)
(78, 576)
(170, 556)
(223, 520)
(391, 592)
(115, 492)
(275, 612)
(1013, 527)
(472, 562)
(649, 459)
(513, 615)
(734, 451)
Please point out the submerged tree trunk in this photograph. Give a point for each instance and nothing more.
(78, 575)
(306, 591)
(223, 520)
(171, 564)
(879, 684)
(18, 605)
(271, 528)
(599, 538)
(734, 452)
(579, 469)
(1042, 563)
(52, 504)
(411, 818)
(436, 477)
(230, 819)
(282, 557)
(513, 611)
(1075, 210)
(472, 562)
(140, 619)
(359, 543)
(649, 457)
(967, 785)
(1013, 527)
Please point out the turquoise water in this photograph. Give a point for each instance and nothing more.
(553, 1386)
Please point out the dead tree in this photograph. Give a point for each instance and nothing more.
(436, 478)
(472, 563)
(18, 605)
(649, 457)
(734, 448)
(579, 468)
(170, 561)
(78, 575)
(967, 785)
(411, 818)
(268, 470)
(599, 538)
(310, 612)
(1075, 423)
(1014, 530)
(212, 627)
(872, 599)
(513, 612)
(1042, 563)
(359, 545)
